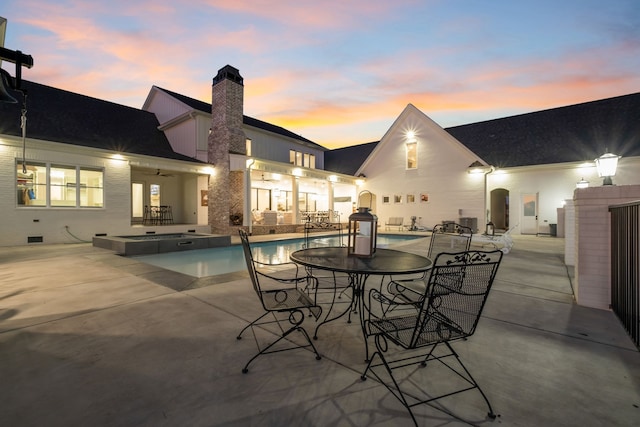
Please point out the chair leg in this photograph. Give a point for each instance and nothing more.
(490, 414)
(295, 322)
(381, 347)
(251, 324)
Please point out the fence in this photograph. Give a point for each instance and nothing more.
(625, 261)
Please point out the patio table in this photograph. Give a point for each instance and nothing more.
(384, 262)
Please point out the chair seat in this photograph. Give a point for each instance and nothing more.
(401, 329)
(289, 299)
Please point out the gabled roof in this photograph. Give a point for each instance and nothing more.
(248, 121)
(574, 133)
(70, 118)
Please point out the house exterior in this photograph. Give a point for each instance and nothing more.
(516, 172)
(88, 167)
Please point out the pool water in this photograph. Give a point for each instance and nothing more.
(229, 259)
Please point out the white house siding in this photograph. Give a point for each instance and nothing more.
(268, 146)
(19, 223)
(181, 137)
(441, 174)
(164, 106)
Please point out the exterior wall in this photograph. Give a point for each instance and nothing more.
(593, 243)
(165, 107)
(268, 146)
(570, 233)
(18, 223)
(441, 174)
(181, 138)
(69, 225)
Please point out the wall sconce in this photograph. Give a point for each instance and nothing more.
(582, 183)
(607, 165)
(478, 168)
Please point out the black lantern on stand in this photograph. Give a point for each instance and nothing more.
(363, 231)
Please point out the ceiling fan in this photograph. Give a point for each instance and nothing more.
(158, 173)
(269, 180)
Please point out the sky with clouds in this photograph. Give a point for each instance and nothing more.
(338, 72)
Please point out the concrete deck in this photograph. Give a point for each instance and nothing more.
(89, 338)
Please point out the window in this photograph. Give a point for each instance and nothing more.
(412, 155)
(59, 186)
(302, 159)
(31, 184)
(248, 146)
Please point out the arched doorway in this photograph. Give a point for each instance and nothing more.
(499, 213)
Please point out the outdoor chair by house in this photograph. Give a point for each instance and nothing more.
(283, 302)
(504, 241)
(450, 311)
(394, 221)
(444, 238)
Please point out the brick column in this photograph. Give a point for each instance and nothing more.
(593, 241)
(227, 135)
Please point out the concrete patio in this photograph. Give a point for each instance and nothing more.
(90, 338)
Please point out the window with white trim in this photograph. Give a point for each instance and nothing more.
(55, 185)
(412, 155)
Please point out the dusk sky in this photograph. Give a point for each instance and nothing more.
(337, 72)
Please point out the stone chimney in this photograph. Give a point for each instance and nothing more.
(227, 97)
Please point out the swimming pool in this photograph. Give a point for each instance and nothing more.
(214, 261)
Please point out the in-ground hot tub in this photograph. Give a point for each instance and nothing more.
(159, 243)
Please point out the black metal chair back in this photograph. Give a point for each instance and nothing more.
(456, 292)
(449, 237)
(280, 295)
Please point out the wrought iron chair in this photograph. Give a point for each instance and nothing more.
(279, 294)
(450, 311)
(449, 238)
(327, 288)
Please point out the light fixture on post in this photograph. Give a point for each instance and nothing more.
(20, 60)
(363, 231)
(582, 183)
(607, 165)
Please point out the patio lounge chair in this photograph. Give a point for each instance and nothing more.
(450, 311)
(394, 221)
(279, 295)
(503, 242)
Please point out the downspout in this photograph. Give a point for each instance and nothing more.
(486, 213)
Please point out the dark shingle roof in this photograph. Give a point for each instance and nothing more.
(347, 160)
(249, 121)
(573, 133)
(70, 118)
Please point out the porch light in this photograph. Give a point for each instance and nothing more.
(478, 168)
(582, 183)
(363, 231)
(607, 165)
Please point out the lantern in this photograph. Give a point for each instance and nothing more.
(607, 165)
(363, 232)
(490, 229)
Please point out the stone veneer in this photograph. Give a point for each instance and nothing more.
(226, 136)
